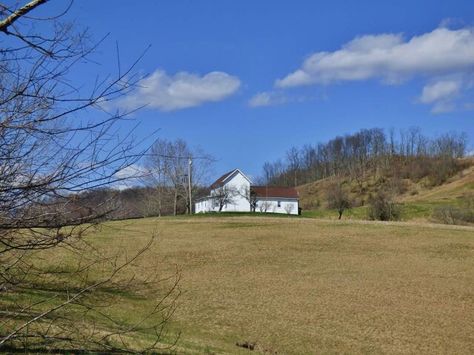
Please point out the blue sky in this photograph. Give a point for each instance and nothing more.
(246, 80)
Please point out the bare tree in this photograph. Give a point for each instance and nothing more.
(289, 208)
(264, 206)
(250, 195)
(49, 154)
(294, 163)
(224, 195)
(338, 198)
(368, 153)
(169, 169)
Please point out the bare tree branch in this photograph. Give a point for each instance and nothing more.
(22, 11)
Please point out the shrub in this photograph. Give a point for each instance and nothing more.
(383, 208)
(453, 215)
(397, 185)
(449, 214)
(468, 200)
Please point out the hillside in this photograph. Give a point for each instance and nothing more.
(453, 189)
(288, 285)
(418, 198)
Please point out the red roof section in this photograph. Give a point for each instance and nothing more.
(275, 191)
(219, 182)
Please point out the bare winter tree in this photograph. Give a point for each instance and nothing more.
(51, 272)
(251, 196)
(370, 153)
(289, 208)
(338, 198)
(294, 163)
(168, 164)
(264, 206)
(224, 195)
(158, 177)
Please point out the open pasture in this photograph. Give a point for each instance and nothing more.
(296, 285)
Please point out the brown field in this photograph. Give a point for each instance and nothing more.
(296, 285)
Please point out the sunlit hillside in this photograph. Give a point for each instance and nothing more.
(417, 198)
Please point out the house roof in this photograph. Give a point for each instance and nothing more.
(221, 181)
(275, 191)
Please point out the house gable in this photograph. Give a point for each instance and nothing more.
(224, 179)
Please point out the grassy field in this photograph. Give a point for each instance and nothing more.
(420, 211)
(298, 285)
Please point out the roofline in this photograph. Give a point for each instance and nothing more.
(266, 187)
(277, 197)
(232, 174)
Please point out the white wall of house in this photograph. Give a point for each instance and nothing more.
(277, 205)
(202, 206)
(269, 205)
(237, 183)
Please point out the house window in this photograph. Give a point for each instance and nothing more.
(279, 203)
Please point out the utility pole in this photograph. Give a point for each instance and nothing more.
(190, 164)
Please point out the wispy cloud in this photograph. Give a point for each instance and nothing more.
(441, 94)
(392, 59)
(267, 98)
(276, 97)
(182, 90)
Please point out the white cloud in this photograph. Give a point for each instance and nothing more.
(276, 97)
(389, 57)
(182, 90)
(267, 98)
(440, 90)
(441, 94)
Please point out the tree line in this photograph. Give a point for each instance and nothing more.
(407, 154)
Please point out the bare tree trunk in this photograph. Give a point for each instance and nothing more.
(175, 210)
(160, 198)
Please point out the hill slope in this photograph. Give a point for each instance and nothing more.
(418, 198)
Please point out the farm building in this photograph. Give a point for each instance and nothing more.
(234, 192)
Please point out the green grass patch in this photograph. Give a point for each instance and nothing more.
(353, 213)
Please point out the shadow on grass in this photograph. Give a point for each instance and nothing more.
(13, 350)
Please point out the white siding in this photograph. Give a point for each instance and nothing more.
(239, 183)
(270, 205)
(236, 182)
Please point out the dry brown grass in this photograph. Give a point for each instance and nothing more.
(298, 286)
(455, 187)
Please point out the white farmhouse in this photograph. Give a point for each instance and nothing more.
(234, 192)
